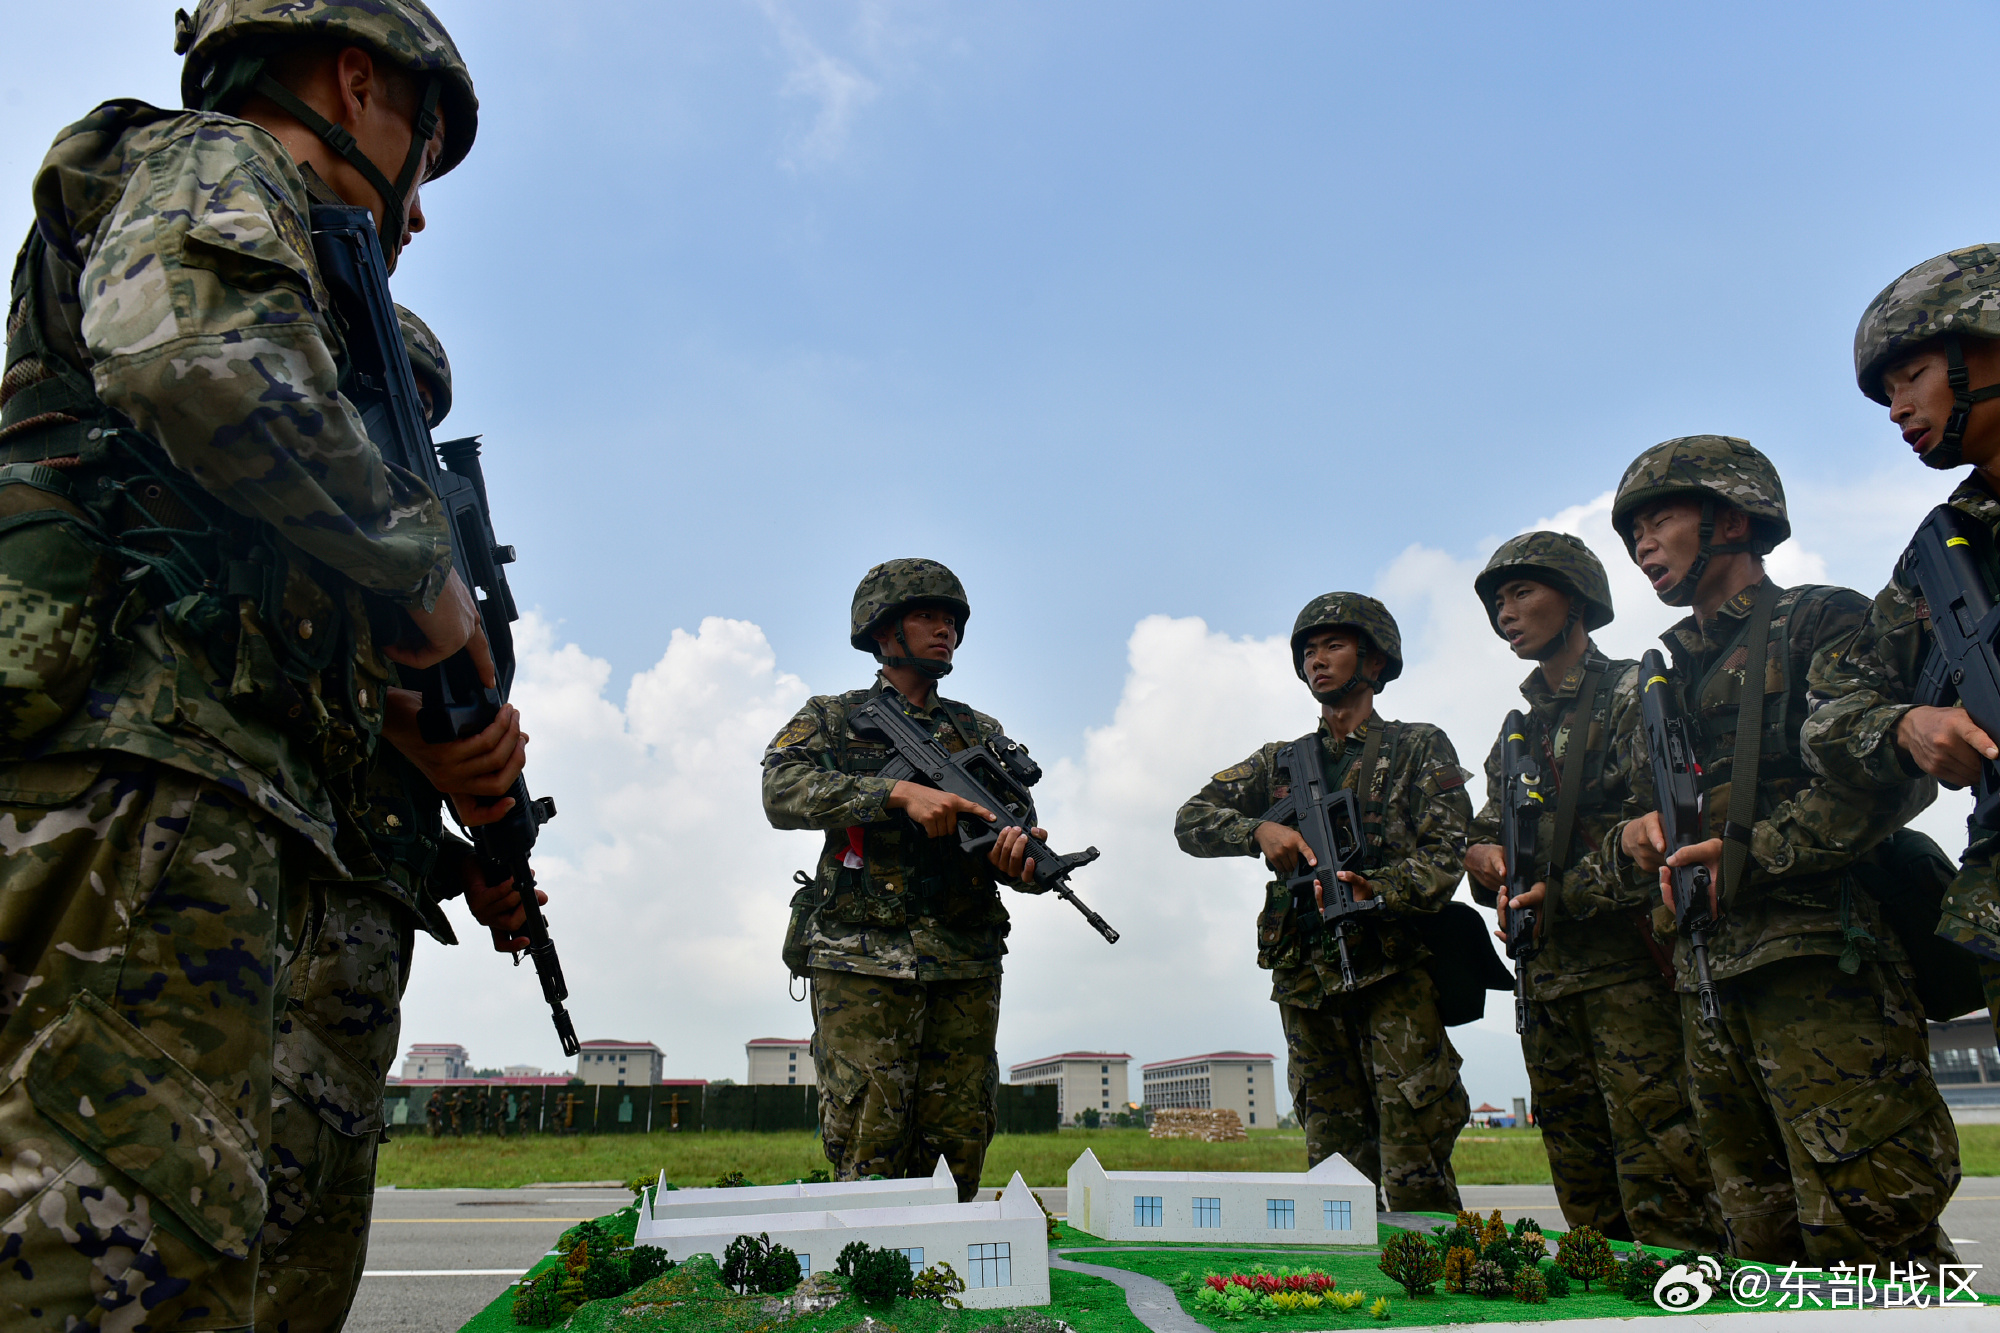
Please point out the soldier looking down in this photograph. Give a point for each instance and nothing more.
(1826, 1136)
(902, 932)
(1602, 1039)
(1373, 1075)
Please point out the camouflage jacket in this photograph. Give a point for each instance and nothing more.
(1851, 736)
(1596, 921)
(887, 901)
(172, 265)
(1799, 895)
(1417, 814)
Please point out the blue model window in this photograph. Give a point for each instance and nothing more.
(1339, 1214)
(915, 1254)
(1278, 1214)
(805, 1266)
(1146, 1210)
(990, 1265)
(1208, 1212)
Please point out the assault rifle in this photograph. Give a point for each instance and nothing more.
(1330, 822)
(456, 703)
(994, 776)
(1961, 666)
(1677, 791)
(1520, 824)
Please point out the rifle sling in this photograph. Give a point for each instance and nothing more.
(1571, 793)
(1749, 744)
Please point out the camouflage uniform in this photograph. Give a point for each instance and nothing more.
(338, 1037)
(902, 933)
(178, 740)
(1603, 1039)
(1373, 1075)
(1826, 1136)
(1852, 738)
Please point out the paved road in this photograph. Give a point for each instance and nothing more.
(460, 1232)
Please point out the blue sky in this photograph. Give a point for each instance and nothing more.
(1124, 311)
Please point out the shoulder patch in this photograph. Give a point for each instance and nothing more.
(1449, 777)
(1235, 773)
(798, 729)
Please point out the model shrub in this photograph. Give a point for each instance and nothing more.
(878, 1275)
(1495, 1230)
(938, 1283)
(1452, 1238)
(1458, 1262)
(1585, 1255)
(1346, 1300)
(1638, 1273)
(1530, 1288)
(1554, 1279)
(646, 1263)
(1412, 1263)
(844, 1264)
(754, 1264)
(606, 1276)
(1380, 1309)
(537, 1304)
(732, 1180)
(1486, 1278)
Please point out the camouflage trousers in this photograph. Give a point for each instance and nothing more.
(1608, 1074)
(146, 919)
(335, 1045)
(1374, 1078)
(1827, 1138)
(907, 1074)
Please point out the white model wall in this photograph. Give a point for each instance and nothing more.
(1102, 1203)
(661, 1203)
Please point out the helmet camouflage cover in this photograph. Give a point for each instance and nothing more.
(1555, 558)
(895, 584)
(1718, 466)
(405, 32)
(427, 359)
(1953, 293)
(1350, 610)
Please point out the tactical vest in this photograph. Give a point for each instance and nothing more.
(1578, 776)
(75, 474)
(904, 876)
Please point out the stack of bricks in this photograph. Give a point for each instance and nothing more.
(1208, 1126)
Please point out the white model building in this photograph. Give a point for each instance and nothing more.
(1000, 1247)
(661, 1204)
(1332, 1204)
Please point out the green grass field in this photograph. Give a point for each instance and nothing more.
(412, 1161)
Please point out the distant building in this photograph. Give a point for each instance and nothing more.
(1082, 1079)
(522, 1071)
(1239, 1081)
(1965, 1062)
(780, 1060)
(618, 1063)
(436, 1062)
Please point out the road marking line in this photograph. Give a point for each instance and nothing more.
(473, 1221)
(442, 1272)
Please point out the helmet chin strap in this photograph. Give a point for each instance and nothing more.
(927, 666)
(1682, 593)
(1949, 451)
(1334, 697)
(1561, 638)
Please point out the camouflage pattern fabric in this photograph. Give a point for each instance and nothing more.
(1592, 932)
(315, 1240)
(1956, 293)
(904, 905)
(893, 585)
(1374, 1078)
(145, 934)
(1866, 691)
(1608, 1073)
(1415, 853)
(907, 1073)
(1721, 466)
(429, 363)
(1356, 611)
(1827, 1138)
(1556, 559)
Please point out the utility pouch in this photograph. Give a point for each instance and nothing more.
(804, 899)
(1908, 876)
(58, 593)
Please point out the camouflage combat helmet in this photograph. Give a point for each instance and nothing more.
(428, 360)
(1712, 468)
(1951, 297)
(227, 43)
(1355, 611)
(889, 590)
(1562, 562)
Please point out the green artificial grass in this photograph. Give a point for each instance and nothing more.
(416, 1161)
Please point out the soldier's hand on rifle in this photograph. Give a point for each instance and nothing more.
(934, 811)
(1282, 846)
(1009, 854)
(1645, 840)
(452, 624)
(1531, 897)
(497, 907)
(1487, 865)
(1945, 743)
(1708, 854)
(484, 765)
(1360, 887)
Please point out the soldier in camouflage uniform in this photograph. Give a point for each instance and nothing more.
(900, 931)
(1921, 347)
(1826, 1137)
(1373, 1075)
(200, 551)
(1603, 1035)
